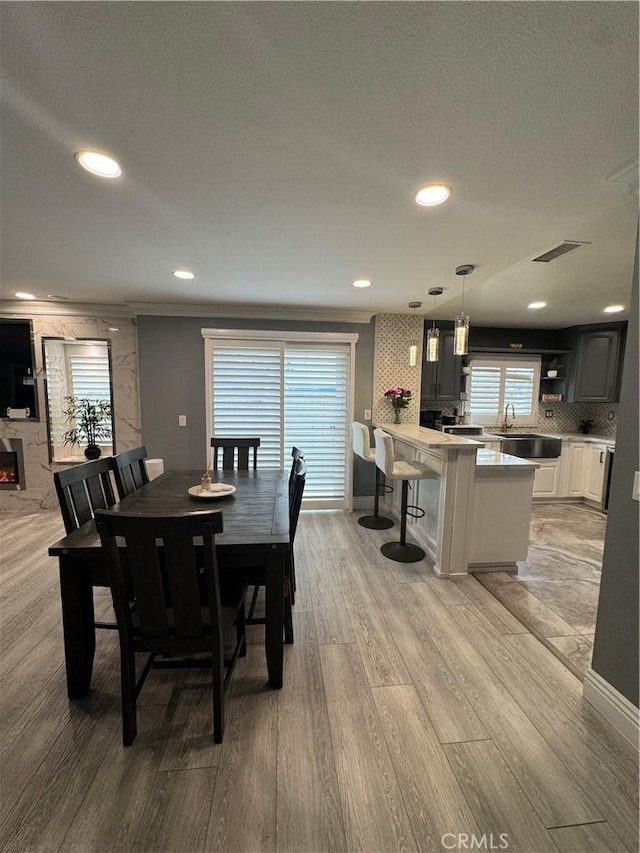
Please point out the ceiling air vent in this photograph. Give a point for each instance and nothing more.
(559, 251)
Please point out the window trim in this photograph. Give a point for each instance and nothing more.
(245, 337)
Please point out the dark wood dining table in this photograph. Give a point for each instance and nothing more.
(256, 534)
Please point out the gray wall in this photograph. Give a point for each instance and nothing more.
(615, 650)
(171, 356)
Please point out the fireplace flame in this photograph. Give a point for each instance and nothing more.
(8, 475)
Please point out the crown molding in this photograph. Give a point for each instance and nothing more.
(249, 312)
(24, 308)
(34, 308)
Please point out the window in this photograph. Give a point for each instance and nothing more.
(498, 381)
(288, 389)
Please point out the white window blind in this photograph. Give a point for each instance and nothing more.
(496, 382)
(90, 376)
(287, 393)
(247, 397)
(316, 393)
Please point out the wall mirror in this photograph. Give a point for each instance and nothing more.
(79, 398)
(18, 393)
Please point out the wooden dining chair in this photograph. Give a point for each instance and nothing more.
(296, 454)
(235, 453)
(256, 575)
(129, 470)
(178, 609)
(82, 490)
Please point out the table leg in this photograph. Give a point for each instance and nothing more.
(274, 616)
(76, 590)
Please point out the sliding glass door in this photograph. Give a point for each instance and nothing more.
(288, 389)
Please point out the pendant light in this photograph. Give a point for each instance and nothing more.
(433, 334)
(461, 329)
(413, 348)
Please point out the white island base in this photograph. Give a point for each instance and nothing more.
(477, 511)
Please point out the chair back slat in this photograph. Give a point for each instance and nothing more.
(147, 584)
(295, 498)
(296, 454)
(235, 453)
(83, 489)
(129, 470)
(183, 586)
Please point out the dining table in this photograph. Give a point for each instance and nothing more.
(255, 537)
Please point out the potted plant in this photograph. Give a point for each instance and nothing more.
(586, 426)
(552, 368)
(90, 422)
(400, 399)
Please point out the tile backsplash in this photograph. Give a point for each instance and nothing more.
(566, 416)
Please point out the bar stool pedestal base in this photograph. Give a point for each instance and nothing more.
(375, 522)
(402, 552)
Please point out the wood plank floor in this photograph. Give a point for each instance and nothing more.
(416, 714)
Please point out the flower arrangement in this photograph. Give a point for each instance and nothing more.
(400, 399)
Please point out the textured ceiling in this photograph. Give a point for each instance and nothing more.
(275, 148)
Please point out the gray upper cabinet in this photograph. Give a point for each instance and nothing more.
(441, 379)
(597, 359)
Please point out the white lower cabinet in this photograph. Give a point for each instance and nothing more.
(594, 471)
(546, 481)
(575, 469)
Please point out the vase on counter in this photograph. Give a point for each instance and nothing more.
(396, 416)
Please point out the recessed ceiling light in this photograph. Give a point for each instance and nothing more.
(21, 295)
(433, 194)
(535, 305)
(184, 273)
(112, 329)
(610, 309)
(99, 164)
(56, 296)
(362, 282)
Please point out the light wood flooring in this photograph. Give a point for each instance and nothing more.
(416, 712)
(555, 592)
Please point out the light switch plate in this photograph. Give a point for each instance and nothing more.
(367, 414)
(636, 486)
(182, 420)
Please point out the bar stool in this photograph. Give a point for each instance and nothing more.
(362, 448)
(402, 551)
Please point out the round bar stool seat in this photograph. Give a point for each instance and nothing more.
(362, 448)
(402, 551)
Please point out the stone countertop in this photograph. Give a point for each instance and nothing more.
(487, 458)
(429, 438)
(591, 438)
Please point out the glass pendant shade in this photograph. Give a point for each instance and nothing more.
(413, 355)
(461, 335)
(433, 344)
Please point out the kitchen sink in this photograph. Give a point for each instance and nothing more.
(530, 445)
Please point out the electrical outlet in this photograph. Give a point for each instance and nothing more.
(367, 414)
(548, 413)
(182, 420)
(611, 416)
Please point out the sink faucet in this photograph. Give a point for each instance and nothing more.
(505, 424)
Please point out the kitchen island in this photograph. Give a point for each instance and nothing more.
(476, 512)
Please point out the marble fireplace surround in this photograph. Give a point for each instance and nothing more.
(39, 492)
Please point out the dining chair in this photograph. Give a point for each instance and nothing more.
(178, 608)
(130, 471)
(235, 453)
(256, 575)
(296, 454)
(81, 490)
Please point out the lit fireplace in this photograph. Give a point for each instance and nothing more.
(11, 464)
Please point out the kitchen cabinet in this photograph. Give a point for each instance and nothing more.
(597, 367)
(546, 480)
(594, 471)
(575, 468)
(441, 379)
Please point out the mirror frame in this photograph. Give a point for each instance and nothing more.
(68, 340)
(36, 416)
